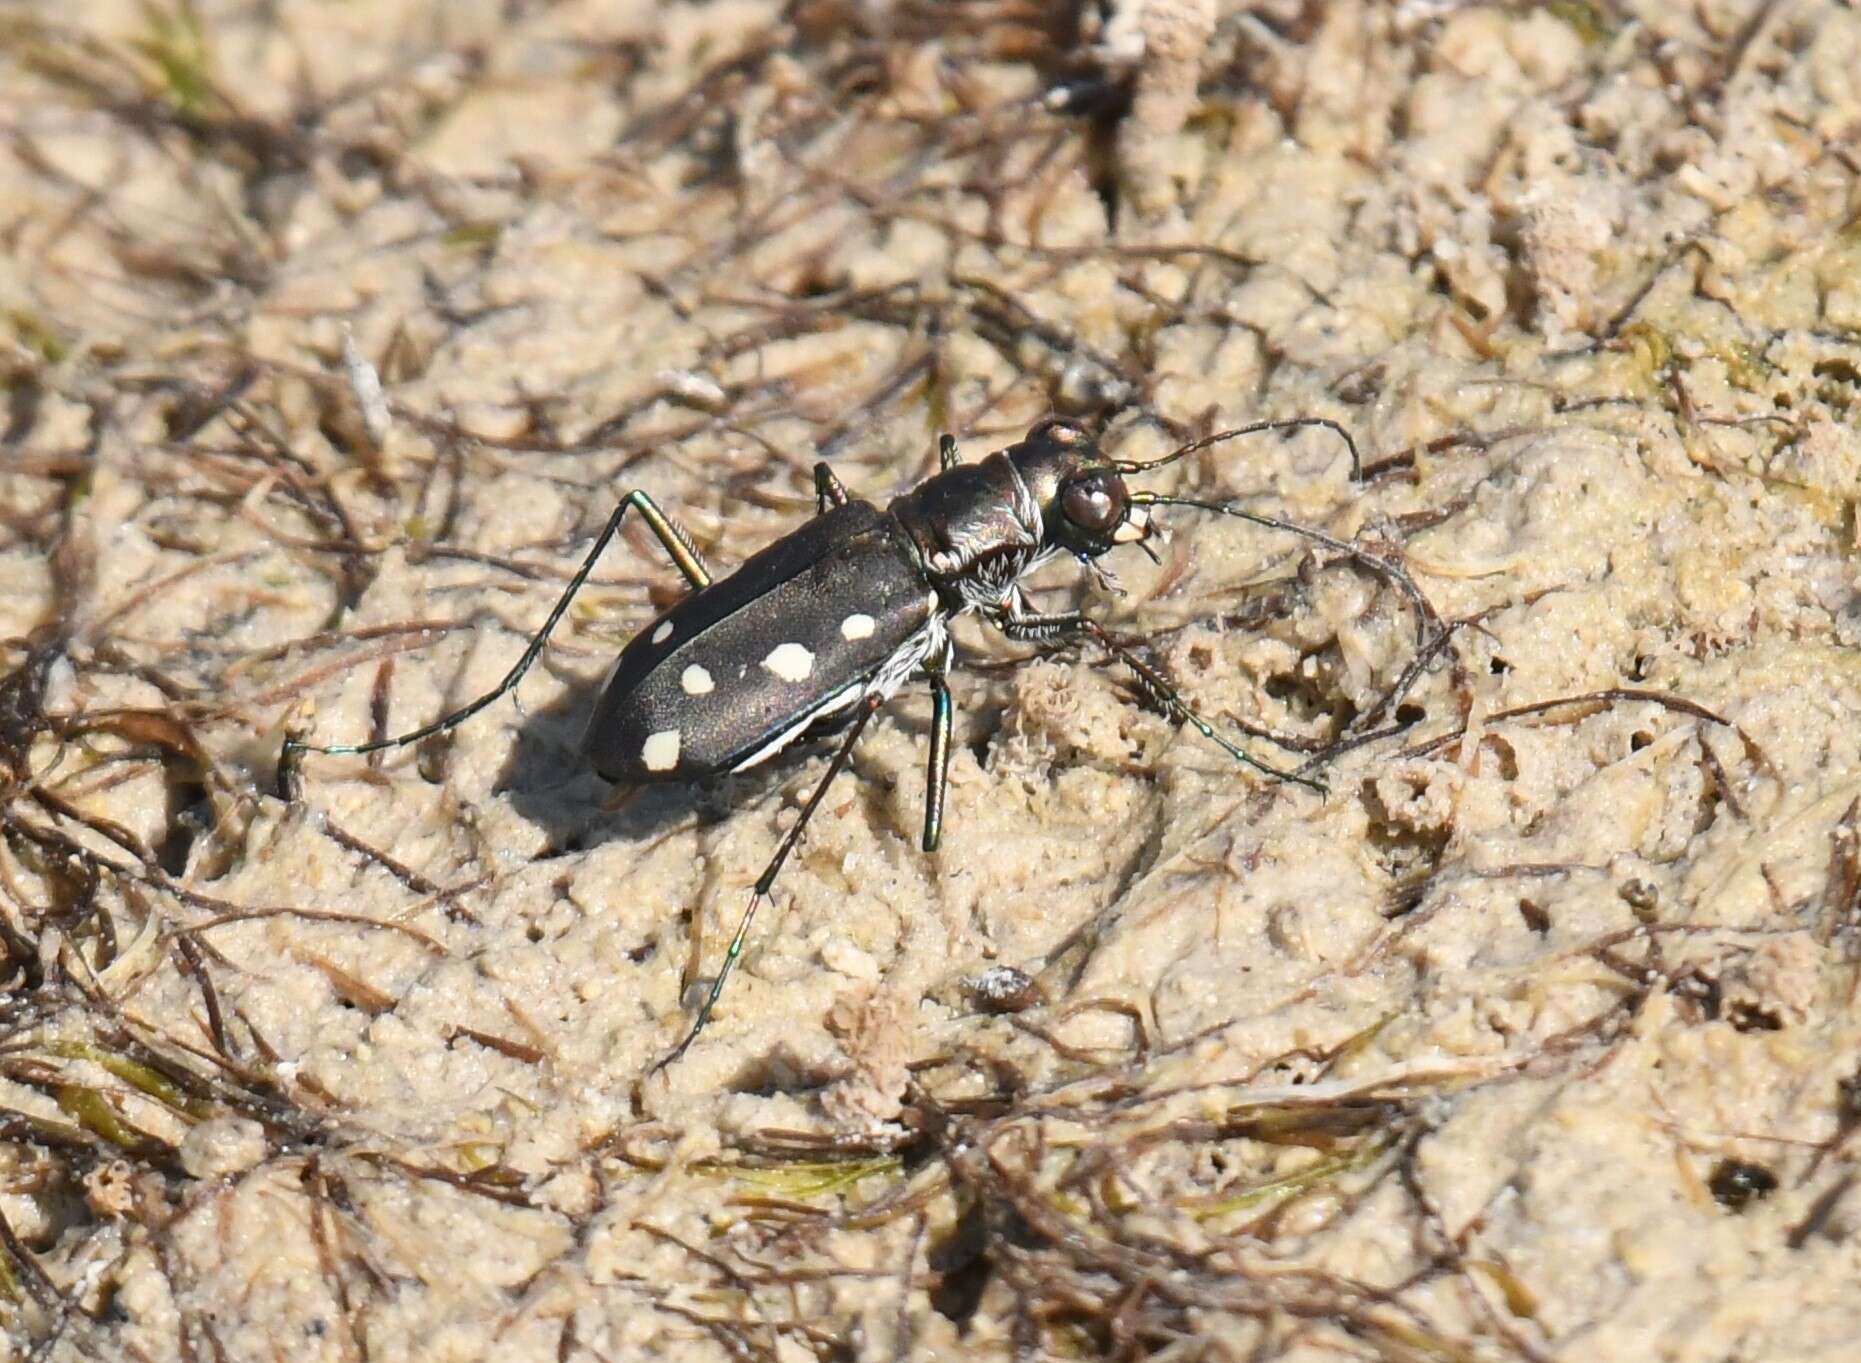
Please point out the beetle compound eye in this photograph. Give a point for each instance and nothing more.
(1090, 505)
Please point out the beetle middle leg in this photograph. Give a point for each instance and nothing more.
(679, 549)
(760, 891)
(937, 769)
(1061, 627)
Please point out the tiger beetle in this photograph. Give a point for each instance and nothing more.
(817, 631)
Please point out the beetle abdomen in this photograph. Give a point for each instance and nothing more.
(739, 668)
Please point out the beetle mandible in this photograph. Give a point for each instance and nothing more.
(820, 628)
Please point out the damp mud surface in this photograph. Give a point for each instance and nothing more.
(330, 335)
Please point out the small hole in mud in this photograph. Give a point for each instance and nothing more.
(534, 932)
(356, 163)
(192, 819)
(1310, 697)
(818, 283)
(331, 431)
(1699, 994)
(1749, 1017)
(1640, 896)
(1499, 667)
(1535, 916)
(430, 760)
(1360, 388)
(1737, 1183)
(1408, 715)
(1640, 739)
(112, 1310)
(962, 1267)
(1504, 755)
(1848, 1097)
(643, 953)
(1405, 898)
(1407, 855)
(1639, 669)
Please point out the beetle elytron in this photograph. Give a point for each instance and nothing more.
(820, 628)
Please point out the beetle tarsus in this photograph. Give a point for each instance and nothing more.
(828, 489)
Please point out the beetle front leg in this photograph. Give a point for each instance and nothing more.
(1061, 627)
(828, 489)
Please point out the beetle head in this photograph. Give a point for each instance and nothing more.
(1084, 504)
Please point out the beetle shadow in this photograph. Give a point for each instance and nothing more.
(549, 782)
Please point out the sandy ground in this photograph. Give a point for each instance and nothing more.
(1534, 1038)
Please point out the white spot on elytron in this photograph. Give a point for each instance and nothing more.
(660, 752)
(695, 681)
(790, 662)
(857, 626)
(663, 633)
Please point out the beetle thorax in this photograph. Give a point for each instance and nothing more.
(978, 529)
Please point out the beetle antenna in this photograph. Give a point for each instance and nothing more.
(1293, 424)
(1390, 572)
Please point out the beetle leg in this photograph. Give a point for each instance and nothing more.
(1060, 627)
(678, 547)
(828, 489)
(937, 771)
(947, 457)
(867, 708)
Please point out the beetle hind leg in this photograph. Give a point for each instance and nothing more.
(679, 549)
(760, 891)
